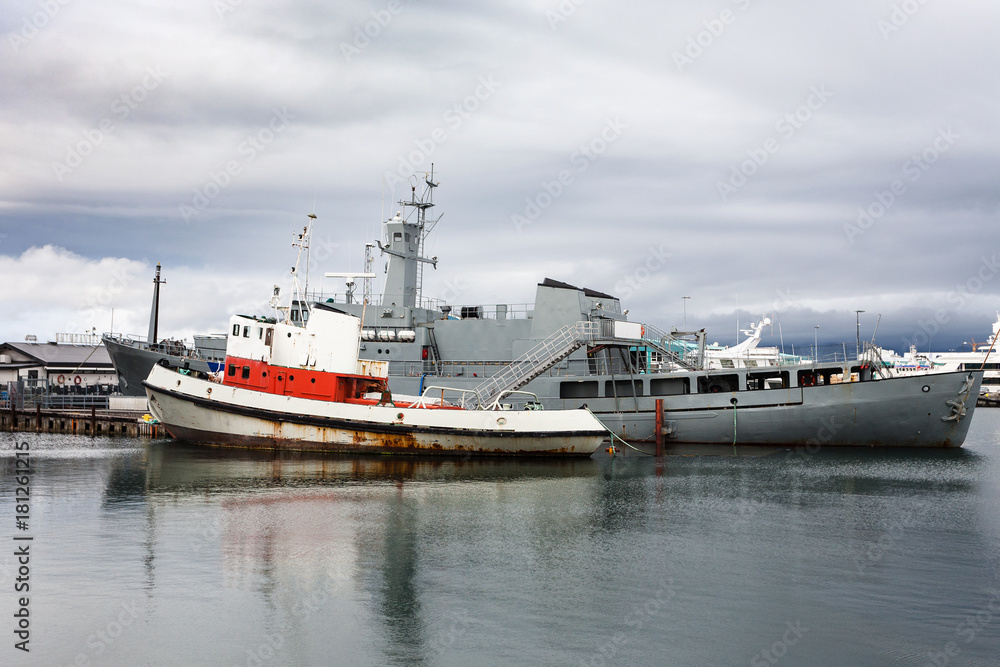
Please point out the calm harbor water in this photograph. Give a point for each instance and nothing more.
(153, 553)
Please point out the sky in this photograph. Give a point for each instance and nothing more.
(709, 163)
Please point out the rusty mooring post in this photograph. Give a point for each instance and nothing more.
(659, 427)
(93, 420)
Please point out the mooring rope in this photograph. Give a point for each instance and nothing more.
(734, 429)
(615, 435)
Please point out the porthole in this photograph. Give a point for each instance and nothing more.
(313, 380)
(291, 378)
(925, 388)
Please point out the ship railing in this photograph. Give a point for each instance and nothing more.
(537, 360)
(24, 399)
(518, 399)
(493, 311)
(674, 348)
(481, 370)
(467, 397)
(178, 348)
(125, 338)
(78, 338)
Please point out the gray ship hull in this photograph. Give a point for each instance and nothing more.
(134, 361)
(926, 411)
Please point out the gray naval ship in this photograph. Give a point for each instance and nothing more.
(134, 356)
(575, 348)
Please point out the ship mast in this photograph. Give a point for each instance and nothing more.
(154, 311)
(297, 302)
(405, 241)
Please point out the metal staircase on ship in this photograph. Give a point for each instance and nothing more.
(537, 360)
(560, 345)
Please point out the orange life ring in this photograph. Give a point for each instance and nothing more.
(77, 380)
(61, 379)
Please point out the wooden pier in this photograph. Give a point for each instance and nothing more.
(76, 422)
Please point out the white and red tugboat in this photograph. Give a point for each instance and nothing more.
(304, 388)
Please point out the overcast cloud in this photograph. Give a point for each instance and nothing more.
(798, 159)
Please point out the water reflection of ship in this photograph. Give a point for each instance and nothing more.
(321, 538)
(344, 535)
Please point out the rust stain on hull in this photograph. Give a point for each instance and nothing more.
(361, 443)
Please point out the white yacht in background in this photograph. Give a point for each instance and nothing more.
(748, 353)
(983, 356)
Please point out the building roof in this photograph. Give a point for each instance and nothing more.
(52, 354)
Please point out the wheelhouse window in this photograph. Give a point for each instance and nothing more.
(232, 370)
(246, 372)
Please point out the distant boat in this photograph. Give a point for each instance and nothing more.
(983, 356)
(133, 356)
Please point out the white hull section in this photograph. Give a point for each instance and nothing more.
(206, 412)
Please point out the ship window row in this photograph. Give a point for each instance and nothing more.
(712, 384)
(244, 371)
(623, 388)
(979, 367)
